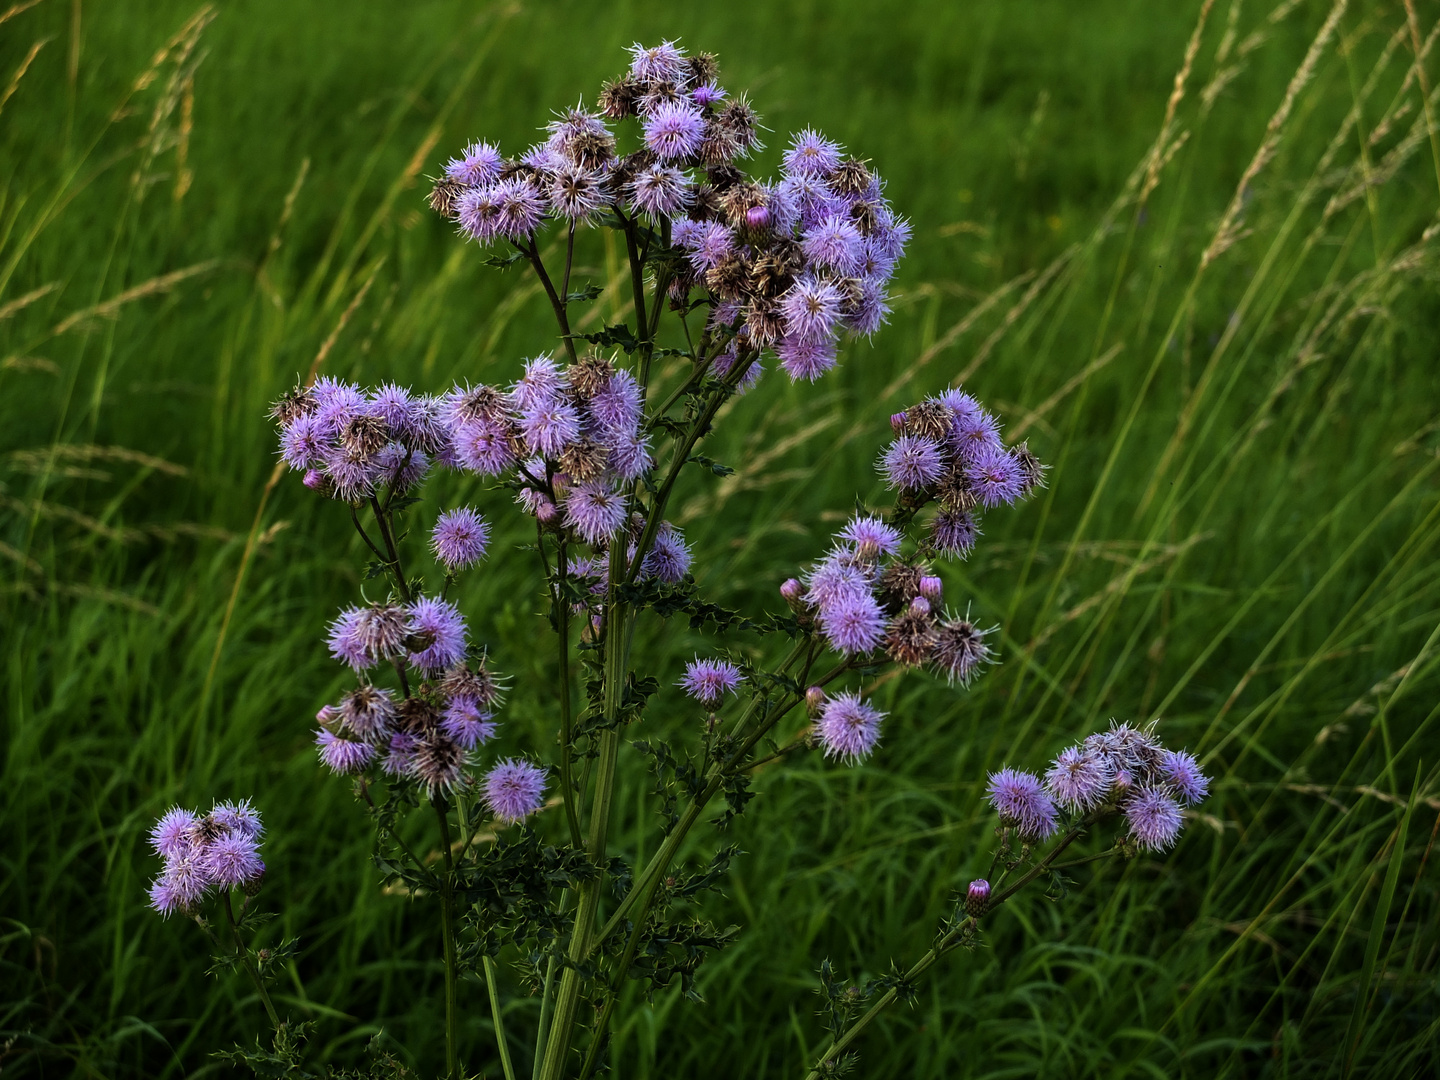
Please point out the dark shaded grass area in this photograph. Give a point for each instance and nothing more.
(1239, 535)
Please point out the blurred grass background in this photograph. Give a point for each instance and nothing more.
(1239, 537)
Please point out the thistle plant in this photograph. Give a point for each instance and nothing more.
(589, 440)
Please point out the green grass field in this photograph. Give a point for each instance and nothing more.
(1215, 321)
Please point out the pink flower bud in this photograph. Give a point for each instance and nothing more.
(931, 587)
(920, 606)
(814, 699)
(757, 217)
(897, 423)
(977, 897)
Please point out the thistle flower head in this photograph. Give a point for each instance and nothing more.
(460, 538)
(466, 724)
(811, 309)
(174, 834)
(368, 712)
(342, 755)
(811, 154)
(977, 898)
(674, 130)
(853, 623)
(514, 789)
(805, 358)
(912, 463)
(1079, 779)
(1180, 772)
(669, 558)
(658, 63)
(1022, 803)
(953, 533)
(707, 681)
(995, 476)
(959, 650)
(437, 633)
(239, 817)
(848, 727)
(595, 510)
(438, 763)
(478, 163)
(835, 244)
(1154, 817)
(233, 860)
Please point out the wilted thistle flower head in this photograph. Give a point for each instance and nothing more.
(218, 850)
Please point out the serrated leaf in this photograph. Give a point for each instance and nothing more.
(579, 296)
(504, 262)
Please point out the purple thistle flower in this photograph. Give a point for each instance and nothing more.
(873, 309)
(573, 124)
(173, 836)
(757, 217)
(1079, 779)
(1021, 802)
(233, 860)
(811, 309)
(853, 623)
(953, 533)
(629, 455)
(478, 163)
(810, 197)
(710, 244)
(576, 193)
(674, 130)
(483, 447)
(400, 756)
(341, 755)
(805, 359)
(707, 681)
(238, 817)
(401, 467)
(890, 236)
(303, 442)
(353, 473)
(442, 627)
(1129, 749)
(460, 538)
(466, 724)
(848, 727)
(346, 639)
(834, 579)
(659, 63)
(522, 207)
(669, 558)
(1181, 772)
(543, 158)
(1154, 818)
(727, 360)
(871, 537)
(960, 404)
(811, 154)
(542, 381)
(595, 511)
(661, 191)
(912, 463)
(335, 401)
(480, 213)
(368, 712)
(974, 432)
(834, 242)
(394, 405)
(959, 650)
(618, 404)
(181, 886)
(514, 789)
(548, 425)
(707, 93)
(995, 476)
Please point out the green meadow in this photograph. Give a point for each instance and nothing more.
(1188, 250)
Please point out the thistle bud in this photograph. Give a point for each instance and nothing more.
(794, 594)
(757, 217)
(977, 898)
(814, 700)
(931, 587)
(897, 423)
(920, 606)
(316, 480)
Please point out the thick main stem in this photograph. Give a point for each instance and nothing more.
(447, 929)
(492, 982)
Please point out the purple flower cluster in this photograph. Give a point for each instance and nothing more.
(428, 633)
(864, 596)
(427, 736)
(1125, 768)
(220, 850)
(786, 264)
(948, 448)
(350, 443)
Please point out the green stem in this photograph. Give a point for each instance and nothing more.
(500, 1039)
(447, 929)
(617, 621)
(562, 621)
(939, 949)
(243, 955)
(546, 1005)
(561, 317)
(387, 534)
